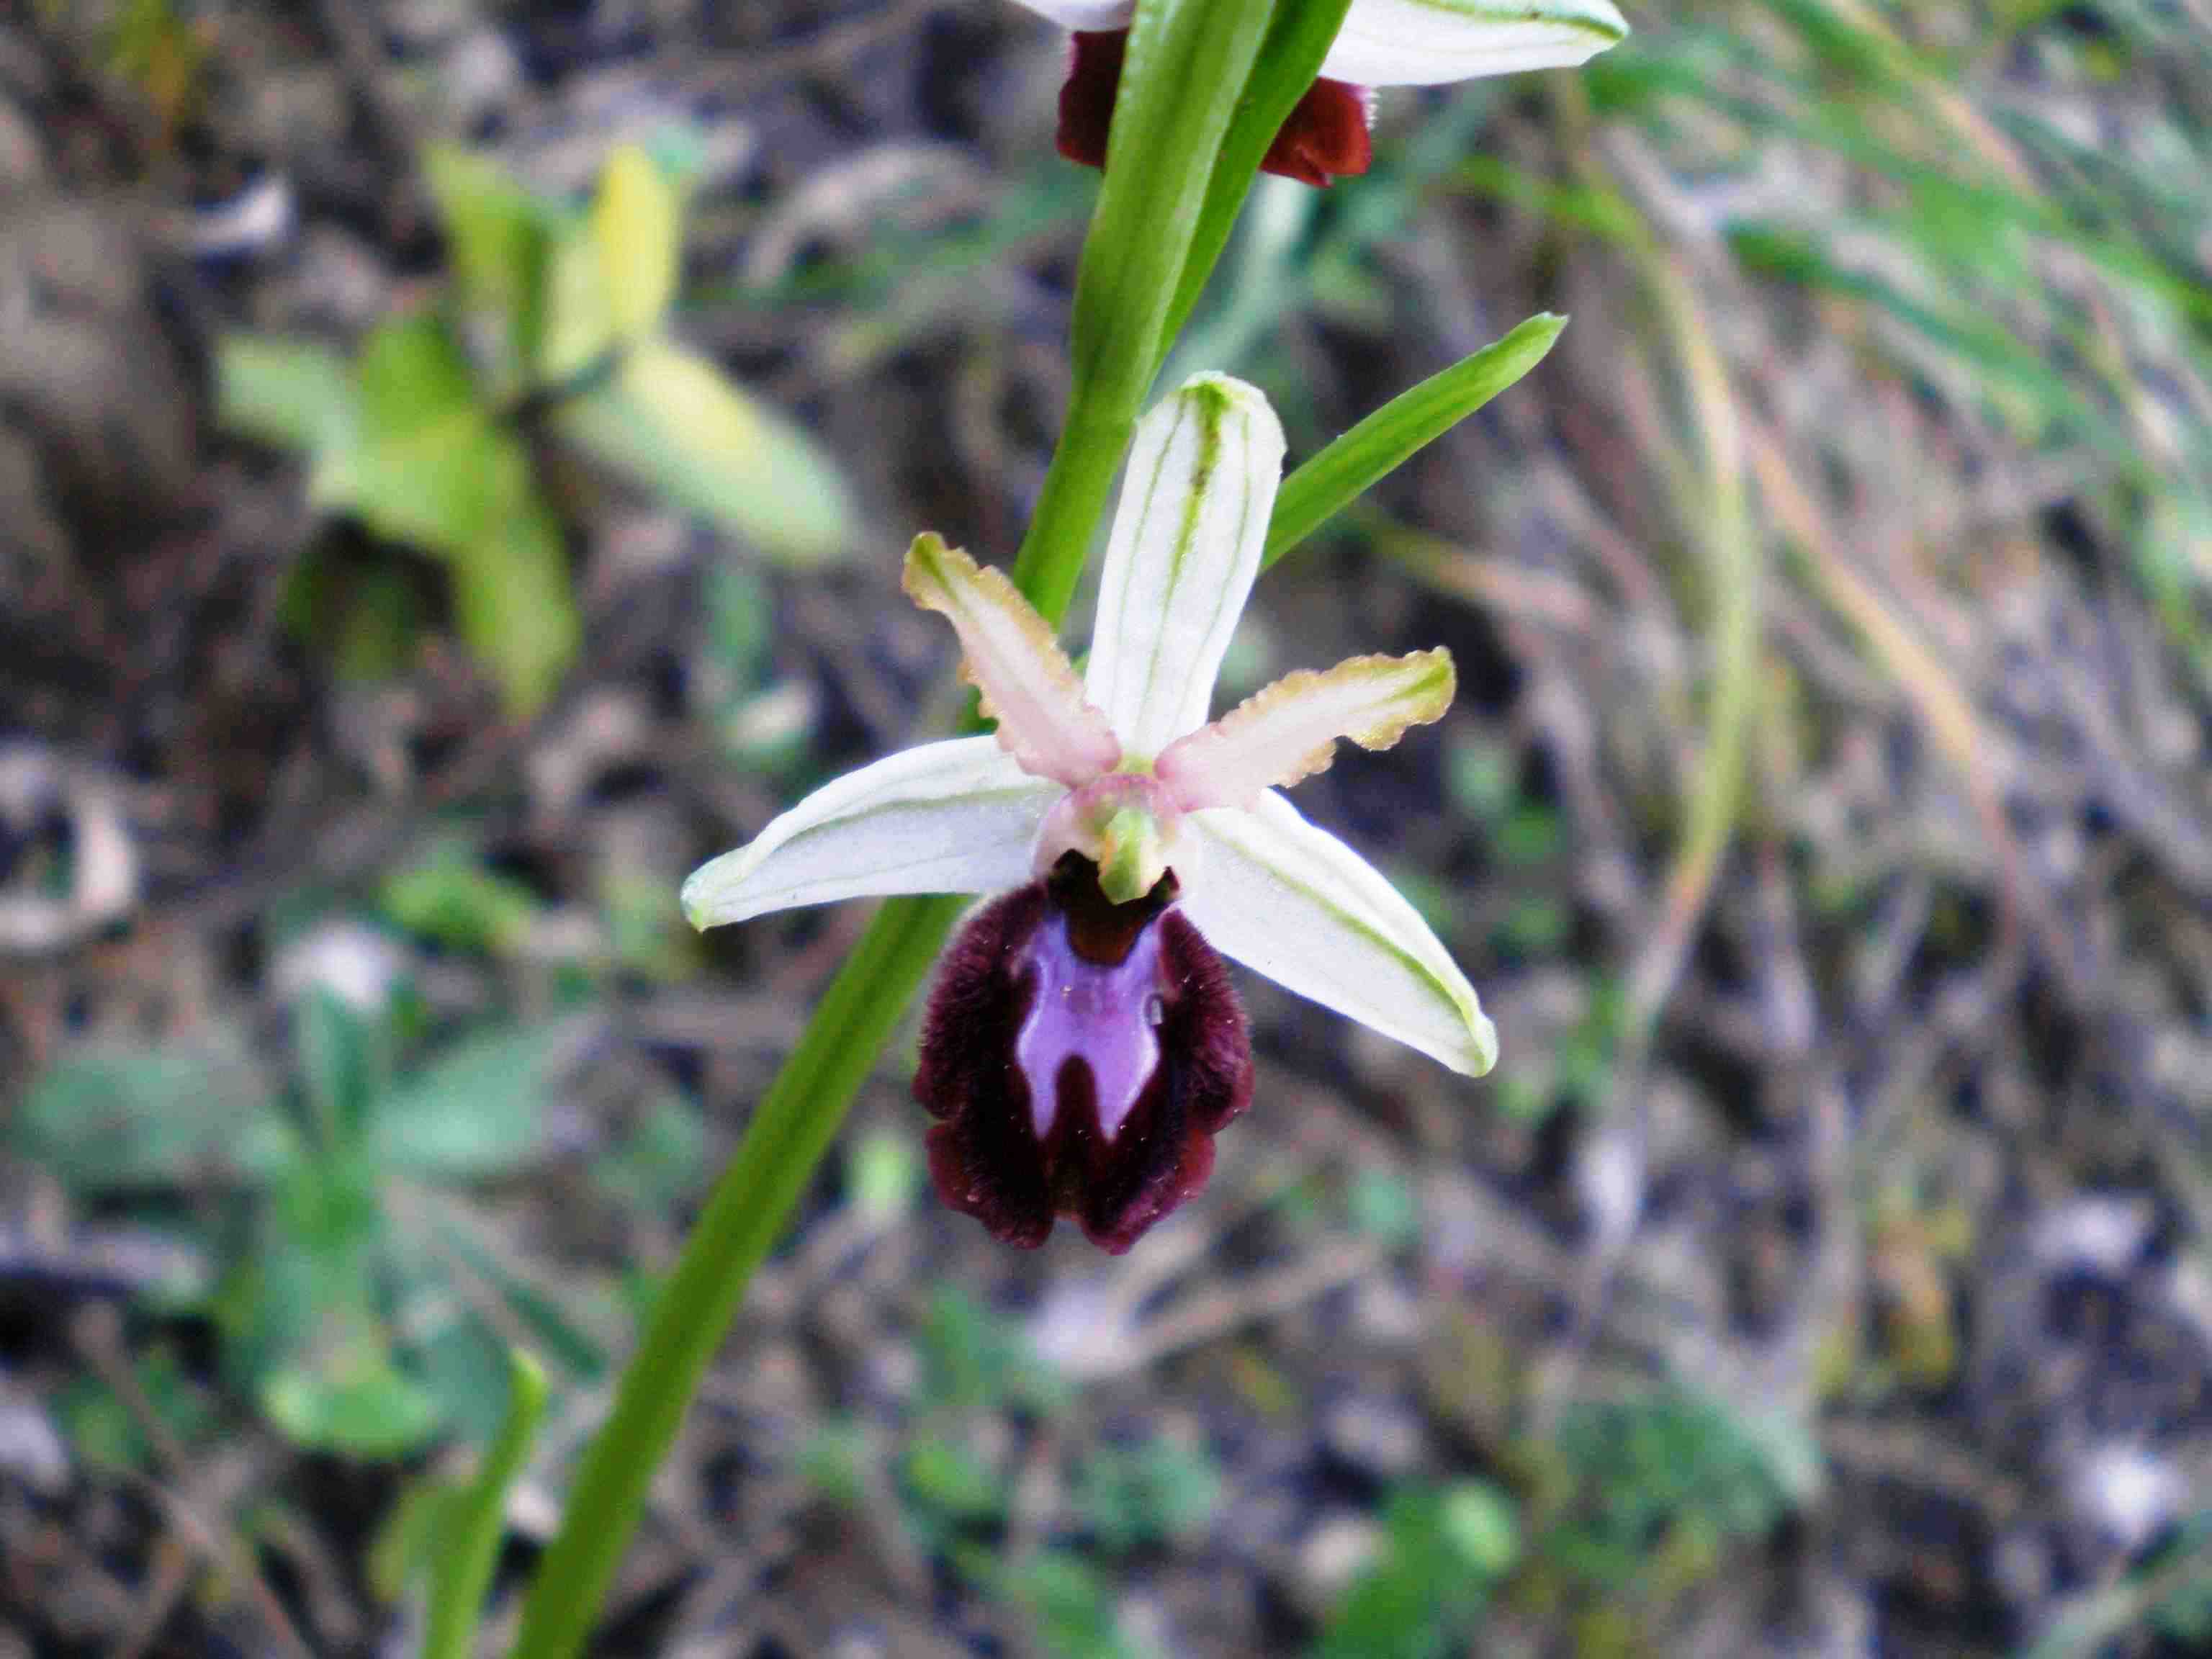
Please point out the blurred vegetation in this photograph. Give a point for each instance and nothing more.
(555, 321)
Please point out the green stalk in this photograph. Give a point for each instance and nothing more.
(1078, 485)
(1183, 76)
(1188, 65)
(790, 1131)
(463, 1572)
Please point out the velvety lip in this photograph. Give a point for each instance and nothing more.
(1080, 1056)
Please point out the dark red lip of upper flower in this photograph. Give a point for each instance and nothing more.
(1325, 139)
(1142, 1009)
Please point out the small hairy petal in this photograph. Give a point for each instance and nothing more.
(1029, 686)
(1288, 730)
(1079, 1056)
(1327, 137)
(1086, 97)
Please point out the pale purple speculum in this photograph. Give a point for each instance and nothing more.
(1079, 1055)
(1104, 1018)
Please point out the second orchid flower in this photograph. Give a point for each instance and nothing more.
(1383, 43)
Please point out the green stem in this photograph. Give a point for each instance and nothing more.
(1188, 62)
(789, 1133)
(1076, 488)
(463, 1571)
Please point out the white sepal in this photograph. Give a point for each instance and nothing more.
(1294, 904)
(1394, 43)
(1028, 685)
(1180, 562)
(947, 817)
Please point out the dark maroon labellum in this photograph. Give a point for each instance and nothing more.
(1081, 1055)
(1325, 139)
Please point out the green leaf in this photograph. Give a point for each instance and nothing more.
(575, 1328)
(834, 1461)
(513, 599)
(948, 1479)
(1073, 1604)
(637, 223)
(109, 1117)
(476, 1110)
(1417, 1601)
(884, 1176)
(457, 904)
(412, 374)
(360, 1409)
(412, 1534)
(1384, 1207)
(579, 317)
(661, 1162)
(419, 467)
(105, 1432)
(291, 393)
(974, 1357)
(428, 465)
(500, 238)
(1290, 59)
(1162, 1492)
(1332, 480)
(1170, 119)
(471, 1549)
(340, 1063)
(671, 421)
(461, 1364)
(1480, 1524)
(1185, 65)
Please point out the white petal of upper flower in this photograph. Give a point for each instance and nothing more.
(1029, 686)
(1180, 562)
(1391, 43)
(956, 816)
(1084, 14)
(1290, 730)
(1294, 904)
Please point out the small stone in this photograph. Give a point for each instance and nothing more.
(30, 1449)
(894, 1370)
(2103, 1235)
(1385, 1314)
(1338, 1549)
(332, 278)
(2132, 1494)
(353, 962)
(1609, 1175)
(483, 75)
(2022, 1568)
(1381, 1440)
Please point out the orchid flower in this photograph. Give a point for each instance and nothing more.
(1083, 1042)
(1383, 43)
